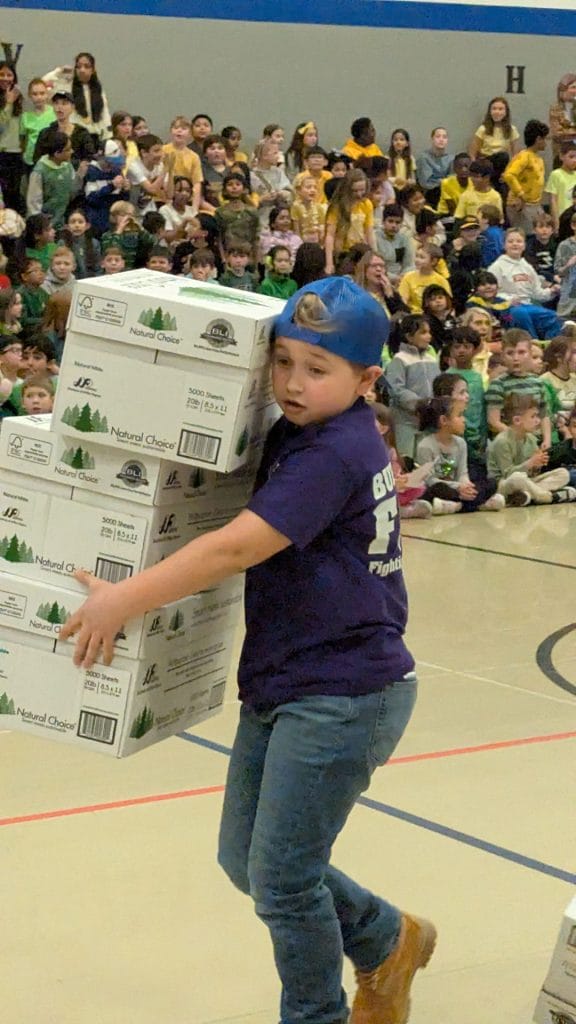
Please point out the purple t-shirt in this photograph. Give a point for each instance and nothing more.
(327, 614)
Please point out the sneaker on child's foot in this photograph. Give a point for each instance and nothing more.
(518, 499)
(441, 507)
(494, 504)
(383, 995)
(564, 494)
(418, 509)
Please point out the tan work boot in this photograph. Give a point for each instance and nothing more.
(383, 995)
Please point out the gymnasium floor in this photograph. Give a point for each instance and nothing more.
(113, 910)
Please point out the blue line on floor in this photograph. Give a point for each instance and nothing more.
(430, 826)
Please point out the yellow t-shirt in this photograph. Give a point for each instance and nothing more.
(354, 151)
(320, 178)
(309, 220)
(186, 163)
(412, 285)
(470, 202)
(450, 192)
(361, 220)
(497, 142)
(524, 176)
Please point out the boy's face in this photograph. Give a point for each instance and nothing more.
(34, 275)
(481, 182)
(308, 190)
(528, 421)
(237, 262)
(282, 262)
(569, 160)
(161, 263)
(62, 266)
(215, 154)
(33, 361)
(312, 385)
(62, 109)
(201, 128)
(469, 235)
(514, 246)
(37, 400)
(38, 95)
(315, 163)
(180, 134)
(541, 143)
(520, 358)
(113, 263)
(543, 232)
(152, 156)
(201, 272)
(63, 157)
(462, 168)
(234, 189)
(487, 291)
(11, 358)
(438, 303)
(462, 353)
(391, 225)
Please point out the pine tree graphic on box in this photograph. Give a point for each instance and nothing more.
(176, 622)
(157, 319)
(52, 612)
(6, 705)
(142, 723)
(85, 420)
(78, 458)
(13, 550)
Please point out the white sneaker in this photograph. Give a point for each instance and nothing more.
(494, 504)
(440, 507)
(564, 494)
(418, 509)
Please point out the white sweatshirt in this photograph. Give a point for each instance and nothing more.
(518, 279)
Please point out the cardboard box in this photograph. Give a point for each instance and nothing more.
(190, 412)
(551, 1010)
(28, 445)
(38, 609)
(561, 977)
(116, 710)
(47, 537)
(175, 314)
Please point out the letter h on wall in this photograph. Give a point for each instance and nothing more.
(515, 78)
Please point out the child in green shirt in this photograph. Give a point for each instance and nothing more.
(278, 282)
(33, 121)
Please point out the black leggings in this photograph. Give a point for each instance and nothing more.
(11, 172)
(486, 488)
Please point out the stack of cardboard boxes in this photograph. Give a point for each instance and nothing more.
(163, 402)
(557, 1000)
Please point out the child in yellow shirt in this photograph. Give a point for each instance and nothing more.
(308, 214)
(315, 160)
(478, 192)
(414, 282)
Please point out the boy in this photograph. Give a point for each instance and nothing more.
(517, 380)
(454, 185)
(61, 272)
(561, 182)
(202, 264)
(515, 459)
(146, 175)
(315, 160)
(491, 233)
(463, 347)
(126, 234)
(83, 147)
(524, 176)
(236, 275)
(34, 298)
(112, 261)
(160, 259)
(278, 282)
(415, 281)
(37, 395)
(38, 358)
(518, 280)
(362, 141)
(541, 247)
(182, 162)
(485, 296)
(433, 165)
(479, 192)
(396, 248)
(564, 229)
(105, 185)
(319, 671)
(54, 182)
(33, 121)
(201, 128)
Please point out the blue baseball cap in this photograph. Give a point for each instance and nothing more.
(360, 325)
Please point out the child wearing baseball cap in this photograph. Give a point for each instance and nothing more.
(326, 683)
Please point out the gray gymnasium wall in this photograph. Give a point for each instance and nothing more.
(251, 73)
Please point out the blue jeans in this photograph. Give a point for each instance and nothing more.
(294, 776)
(537, 320)
(572, 471)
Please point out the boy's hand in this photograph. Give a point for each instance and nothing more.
(538, 459)
(96, 622)
(467, 491)
(118, 181)
(401, 482)
(514, 202)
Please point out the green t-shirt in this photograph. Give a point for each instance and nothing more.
(560, 183)
(476, 432)
(31, 124)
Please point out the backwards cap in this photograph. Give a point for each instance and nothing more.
(359, 326)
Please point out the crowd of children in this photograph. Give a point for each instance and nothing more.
(472, 257)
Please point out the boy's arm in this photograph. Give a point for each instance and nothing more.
(546, 427)
(211, 558)
(510, 175)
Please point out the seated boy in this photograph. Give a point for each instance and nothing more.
(61, 273)
(491, 233)
(541, 247)
(479, 192)
(485, 296)
(396, 248)
(112, 261)
(37, 395)
(236, 274)
(518, 380)
(202, 265)
(38, 358)
(160, 259)
(515, 458)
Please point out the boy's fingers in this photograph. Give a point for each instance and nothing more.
(70, 627)
(92, 650)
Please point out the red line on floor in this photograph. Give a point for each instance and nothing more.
(183, 794)
(113, 805)
(456, 751)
